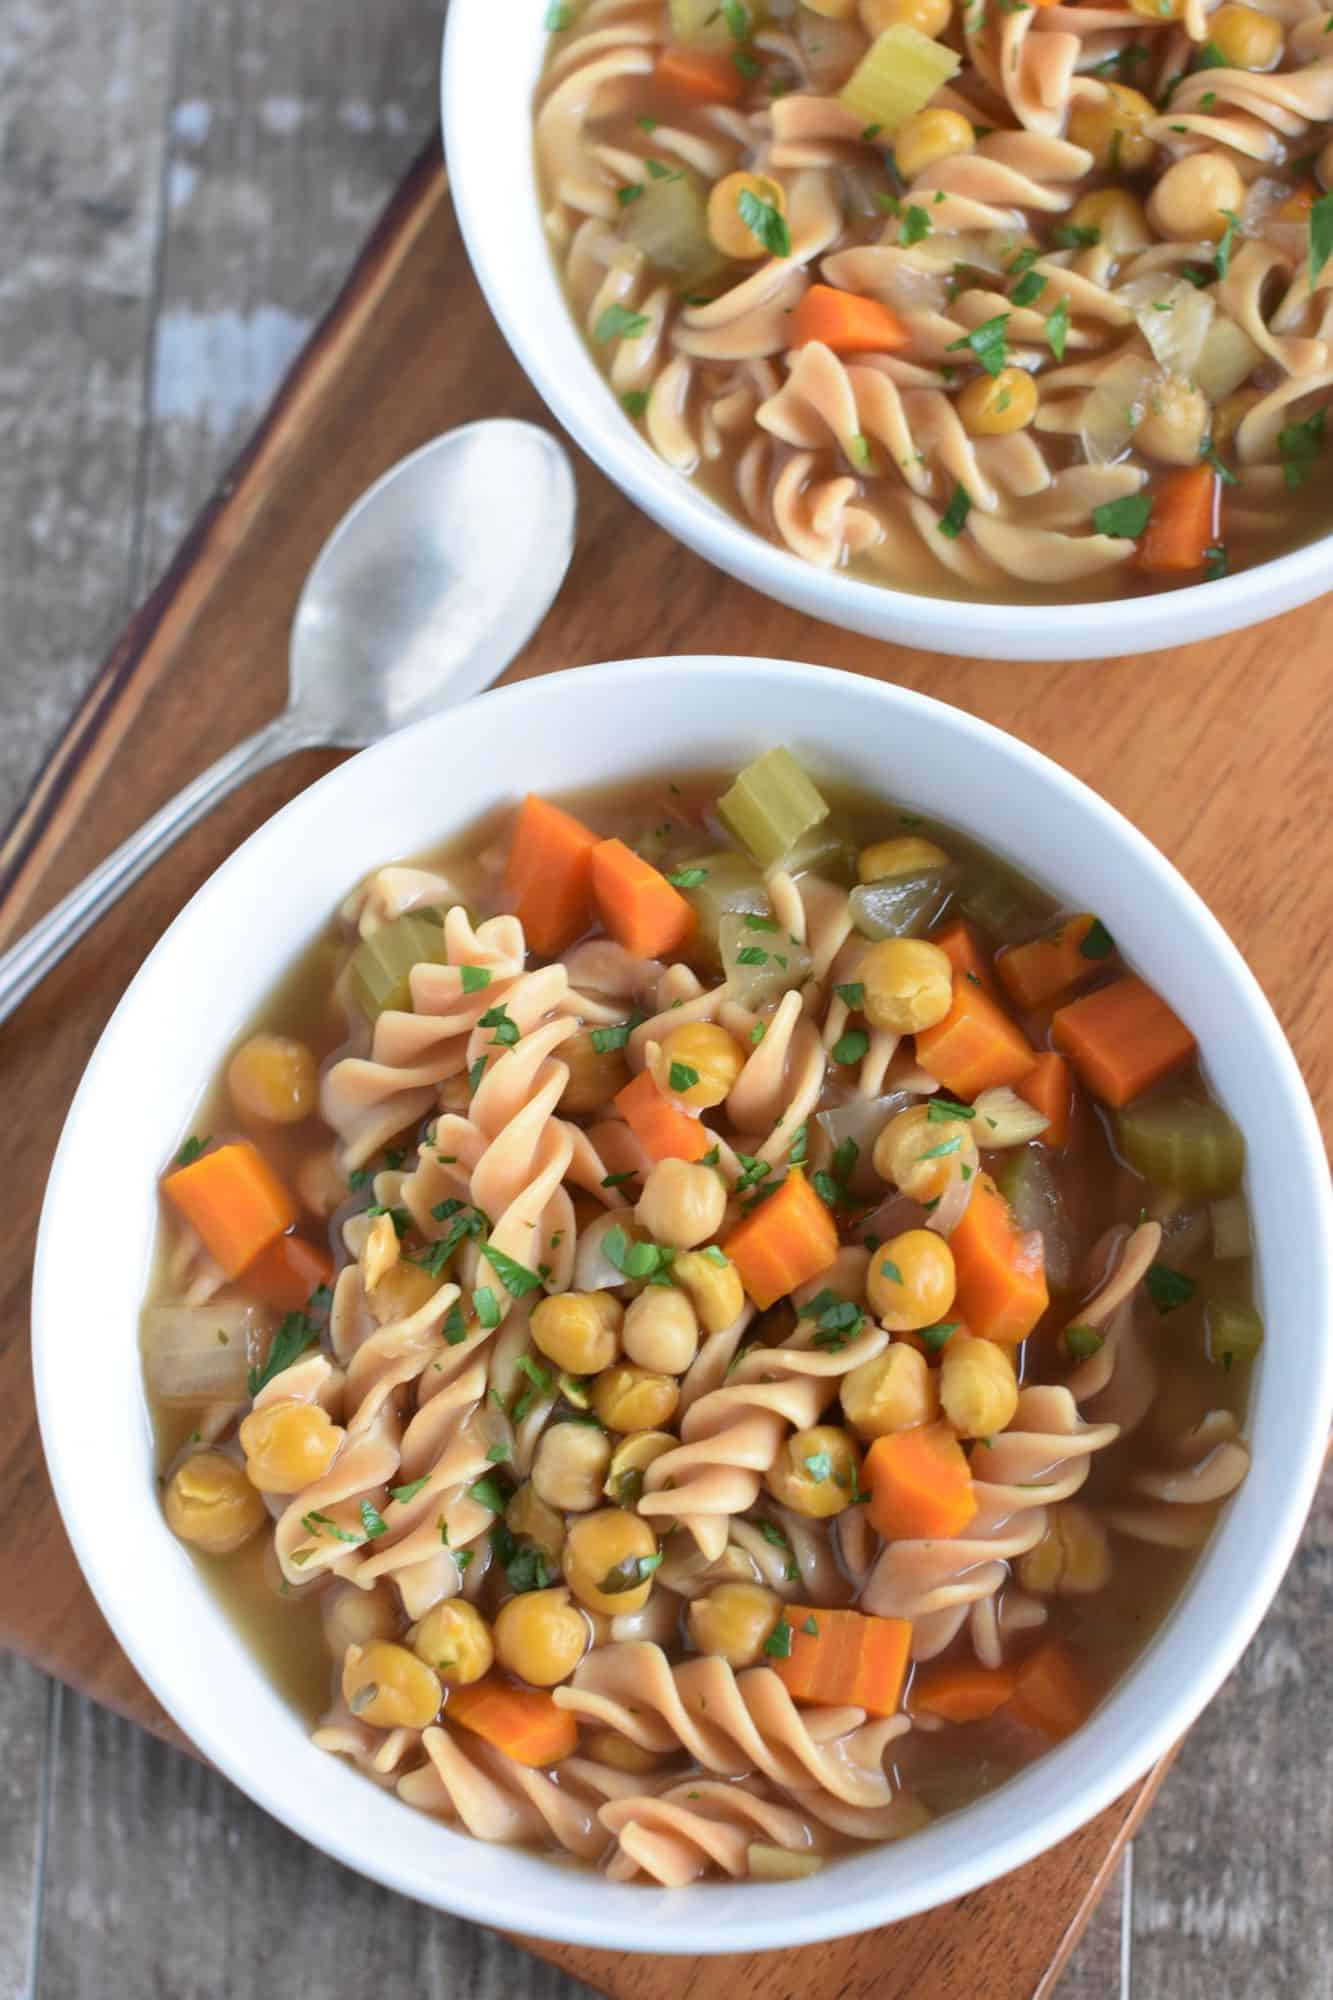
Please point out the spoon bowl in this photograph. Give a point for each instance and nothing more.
(421, 596)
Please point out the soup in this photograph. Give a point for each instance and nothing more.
(996, 301)
(703, 1326)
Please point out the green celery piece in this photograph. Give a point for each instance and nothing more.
(731, 884)
(1230, 1219)
(829, 849)
(770, 806)
(1235, 1331)
(669, 223)
(897, 77)
(760, 965)
(382, 963)
(1183, 1143)
(998, 900)
(903, 905)
(1025, 1178)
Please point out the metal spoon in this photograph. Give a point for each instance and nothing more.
(421, 596)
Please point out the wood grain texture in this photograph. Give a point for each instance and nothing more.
(188, 692)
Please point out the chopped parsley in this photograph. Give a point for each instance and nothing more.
(190, 1151)
(1057, 328)
(1224, 472)
(688, 878)
(1210, 57)
(1082, 1341)
(766, 223)
(1222, 254)
(618, 322)
(1069, 236)
(752, 954)
(837, 1320)
(635, 403)
(635, 1260)
(605, 1040)
(954, 518)
(891, 1272)
(1098, 942)
(628, 1575)
(682, 1077)
(372, 1521)
(940, 1152)
(1028, 289)
(1128, 516)
(811, 1627)
(940, 1109)
(778, 1643)
(486, 1306)
(819, 1465)
(915, 226)
(1215, 562)
(558, 17)
(516, 1278)
(851, 1047)
(290, 1342)
(987, 343)
(488, 1492)
(405, 1493)
(1167, 1288)
(475, 977)
(852, 994)
(933, 1338)
(1298, 446)
(631, 192)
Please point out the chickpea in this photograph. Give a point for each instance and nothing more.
(928, 17)
(908, 984)
(978, 1386)
(733, 1621)
(894, 1392)
(609, 1561)
(579, 1331)
(1247, 38)
(1117, 217)
(1073, 1557)
(911, 1281)
(594, 1075)
(527, 1514)
(928, 137)
(455, 1640)
(210, 1503)
(908, 855)
(661, 1331)
(816, 1471)
(715, 1057)
(541, 1636)
(907, 1152)
(1111, 128)
(682, 1204)
(353, 1617)
(1230, 414)
(730, 232)
(998, 405)
(389, 1687)
(273, 1079)
(713, 1285)
(570, 1466)
(1175, 424)
(403, 1290)
(608, 1746)
(634, 1399)
(1189, 199)
(288, 1446)
(630, 1460)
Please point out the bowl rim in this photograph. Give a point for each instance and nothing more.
(993, 629)
(1064, 1788)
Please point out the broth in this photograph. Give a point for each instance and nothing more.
(415, 1420)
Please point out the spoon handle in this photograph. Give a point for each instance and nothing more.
(27, 963)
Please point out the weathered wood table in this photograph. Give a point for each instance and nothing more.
(184, 192)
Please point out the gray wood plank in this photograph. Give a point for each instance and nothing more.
(83, 91)
(1093, 1973)
(24, 1704)
(162, 1878)
(1234, 1871)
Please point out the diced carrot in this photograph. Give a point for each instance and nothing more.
(697, 74)
(1034, 973)
(920, 1484)
(1051, 1694)
(235, 1200)
(550, 875)
(787, 1240)
(963, 1693)
(1184, 523)
(637, 904)
(999, 1273)
(844, 1658)
(976, 1045)
(663, 1130)
(285, 1273)
(1121, 1038)
(1049, 1088)
(959, 945)
(524, 1723)
(846, 322)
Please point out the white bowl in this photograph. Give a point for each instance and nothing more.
(225, 953)
(492, 58)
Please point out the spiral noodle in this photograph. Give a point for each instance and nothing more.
(676, 1836)
(732, 1723)
(465, 1780)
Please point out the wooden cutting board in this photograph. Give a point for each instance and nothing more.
(1221, 753)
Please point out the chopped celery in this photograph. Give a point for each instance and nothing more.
(706, 24)
(902, 905)
(719, 885)
(1000, 901)
(1025, 1179)
(1230, 1219)
(668, 222)
(760, 961)
(771, 805)
(382, 963)
(1235, 1331)
(897, 77)
(829, 849)
(1184, 1144)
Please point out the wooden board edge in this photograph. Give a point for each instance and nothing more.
(1140, 1803)
(140, 653)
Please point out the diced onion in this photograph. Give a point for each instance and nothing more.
(760, 965)
(1228, 358)
(1174, 320)
(1230, 1219)
(903, 905)
(1116, 406)
(862, 1119)
(202, 1354)
(951, 1207)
